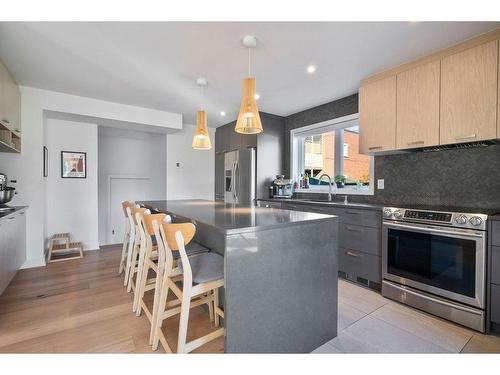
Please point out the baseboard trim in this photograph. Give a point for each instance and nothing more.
(33, 263)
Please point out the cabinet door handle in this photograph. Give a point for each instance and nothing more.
(11, 218)
(470, 136)
(21, 213)
(375, 148)
(351, 254)
(415, 143)
(351, 229)
(6, 121)
(352, 213)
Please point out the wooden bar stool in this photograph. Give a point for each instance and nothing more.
(126, 236)
(134, 253)
(148, 260)
(201, 277)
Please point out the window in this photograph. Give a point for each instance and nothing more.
(332, 149)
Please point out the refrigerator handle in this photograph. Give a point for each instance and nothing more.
(236, 176)
(233, 180)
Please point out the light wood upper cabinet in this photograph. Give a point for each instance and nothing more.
(417, 110)
(10, 112)
(469, 95)
(377, 116)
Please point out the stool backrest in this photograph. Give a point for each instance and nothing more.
(160, 218)
(165, 236)
(126, 204)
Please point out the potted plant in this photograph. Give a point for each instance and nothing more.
(340, 180)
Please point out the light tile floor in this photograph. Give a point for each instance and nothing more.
(370, 323)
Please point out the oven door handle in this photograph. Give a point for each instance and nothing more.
(433, 230)
(436, 300)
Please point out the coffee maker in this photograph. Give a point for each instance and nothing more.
(282, 188)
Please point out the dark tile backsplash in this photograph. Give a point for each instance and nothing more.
(468, 177)
(464, 177)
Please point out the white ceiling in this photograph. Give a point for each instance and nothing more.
(155, 65)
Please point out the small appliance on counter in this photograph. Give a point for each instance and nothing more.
(6, 194)
(282, 188)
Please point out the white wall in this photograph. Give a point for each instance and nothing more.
(26, 167)
(194, 178)
(125, 155)
(71, 204)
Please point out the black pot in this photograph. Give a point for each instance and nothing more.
(340, 185)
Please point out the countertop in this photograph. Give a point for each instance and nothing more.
(230, 218)
(366, 206)
(8, 213)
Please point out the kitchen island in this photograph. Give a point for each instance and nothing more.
(280, 272)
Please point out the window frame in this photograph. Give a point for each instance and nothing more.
(297, 158)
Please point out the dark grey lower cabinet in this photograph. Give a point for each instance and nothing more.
(360, 241)
(359, 266)
(495, 304)
(494, 276)
(12, 246)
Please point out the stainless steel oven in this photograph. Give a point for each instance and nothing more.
(436, 261)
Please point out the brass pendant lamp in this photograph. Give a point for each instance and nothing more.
(201, 138)
(249, 119)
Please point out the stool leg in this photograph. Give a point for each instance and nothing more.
(184, 319)
(131, 240)
(160, 308)
(124, 253)
(156, 304)
(211, 306)
(141, 279)
(133, 264)
(216, 304)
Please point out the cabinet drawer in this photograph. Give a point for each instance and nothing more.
(495, 265)
(365, 239)
(365, 218)
(495, 233)
(307, 208)
(495, 303)
(360, 264)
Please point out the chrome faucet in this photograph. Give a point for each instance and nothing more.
(329, 185)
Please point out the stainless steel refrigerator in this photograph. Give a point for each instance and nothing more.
(239, 176)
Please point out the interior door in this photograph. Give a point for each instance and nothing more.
(122, 189)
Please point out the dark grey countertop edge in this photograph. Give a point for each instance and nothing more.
(322, 217)
(361, 206)
(16, 209)
(281, 225)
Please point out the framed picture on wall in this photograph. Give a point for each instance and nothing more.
(73, 164)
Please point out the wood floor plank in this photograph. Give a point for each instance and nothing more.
(81, 306)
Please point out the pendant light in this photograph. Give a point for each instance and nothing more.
(249, 119)
(201, 138)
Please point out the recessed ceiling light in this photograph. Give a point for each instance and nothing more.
(311, 69)
(257, 96)
(222, 113)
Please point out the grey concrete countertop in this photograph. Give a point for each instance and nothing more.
(366, 206)
(230, 218)
(8, 213)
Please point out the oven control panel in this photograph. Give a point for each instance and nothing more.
(455, 219)
(442, 217)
